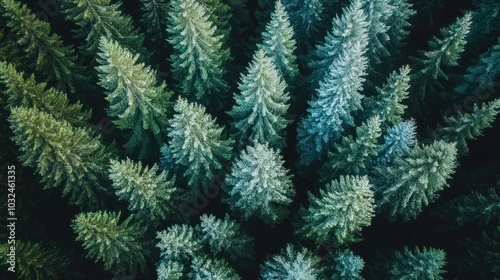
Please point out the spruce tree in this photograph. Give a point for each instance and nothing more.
(278, 43)
(44, 51)
(62, 155)
(486, 16)
(346, 266)
(148, 194)
(412, 182)
(170, 270)
(483, 253)
(199, 55)
(417, 264)
(167, 161)
(135, 100)
(293, 263)
(337, 97)
(261, 106)
(178, 243)
(467, 126)
(442, 52)
(196, 142)
(342, 209)
(398, 22)
(304, 16)
(220, 15)
(155, 18)
(378, 13)
(119, 245)
(398, 142)
(259, 184)
(207, 269)
(28, 93)
(102, 18)
(349, 29)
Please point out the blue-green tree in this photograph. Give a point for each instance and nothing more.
(304, 16)
(344, 265)
(378, 13)
(486, 17)
(398, 142)
(417, 264)
(293, 263)
(399, 22)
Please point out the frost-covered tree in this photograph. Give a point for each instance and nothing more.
(147, 193)
(44, 51)
(196, 142)
(442, 52)
(398, 142)
(412, 182)
(346, 266)
(337, 97)
(62, 155)
(119, 245)
(417, 264)
(135, 100)
(155, 18)
(25, 91)
(481, 75)
(293, 263)
(349, 29)
(378, 13)
(466, 126)
(261, 106)
(278, 43)
(398, 22)
(178, 243)
(259, 184)
(304, 16)
(207, 269)
(199, 54)
(341, 210)
(103, 18)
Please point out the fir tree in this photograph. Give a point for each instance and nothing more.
(44, 51)
(240, 18)
(62, 155)
(481, 75)
(342, 209)
(28, 93)
(196, 142)
(483, 253)
(398, 22)
(354, 156)
(486, 16)
(337, 96)
(155, 18)
(412, 182)
(170, 270)
(398, 142)
(278, 43)
(199, 55)
(102, 18)
(346, 266)
(378, 13)
(388, 102)
(442, 52)
(220, 15)
(259, 184)
(147, 193)
(178, 243)
(417, 264)
(292, 263)
(135, 99)
(349, 29)
(35, 261)
(207, 269)
(304, 16)
(118, 245)
(260, 109)
(467, 126)
(167, 161)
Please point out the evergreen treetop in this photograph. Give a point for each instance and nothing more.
(178, 243)
(346, 266)
(398, 22)
(418, 264)
(207, 269)
(398, 141)
(155, 18)
(304, 16)
(293, 263)
(378, 13)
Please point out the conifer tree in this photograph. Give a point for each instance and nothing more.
(155, 18)
(398, 142)
(199, 55)
(102, 18)
(293, 263)
(44, 51)
(120, 246)
(147, 193)
(178, 243)
(135, 100)
(261, 106)
(378, 13)
(342, 209)
(220, 15)
(62, 155)
(35, 261)
(196, 142)
(170, 270)
(417, 264)
(412, 182)
(354, 156)
(337, 96)
(442, 52)
(349, 29)
(207, 269)
(467, 126)
(259, 184)
(28, 93)
(483, 253)
(304, 16)
(278, 43)
(240, 18)
(398, 22)
(388, 102)
(481, 75)
(346, 266)
(486, 16)
(167, 161)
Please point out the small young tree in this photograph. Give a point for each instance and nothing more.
(398, 142)
(260, 109)
(119, 246)
(342, 209)
(259, 184)
(417, 264)
(345, 265)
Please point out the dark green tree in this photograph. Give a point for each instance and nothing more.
(399, 22)
(155, 18)
(305, 17)
(417, 264)
(483, 254)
